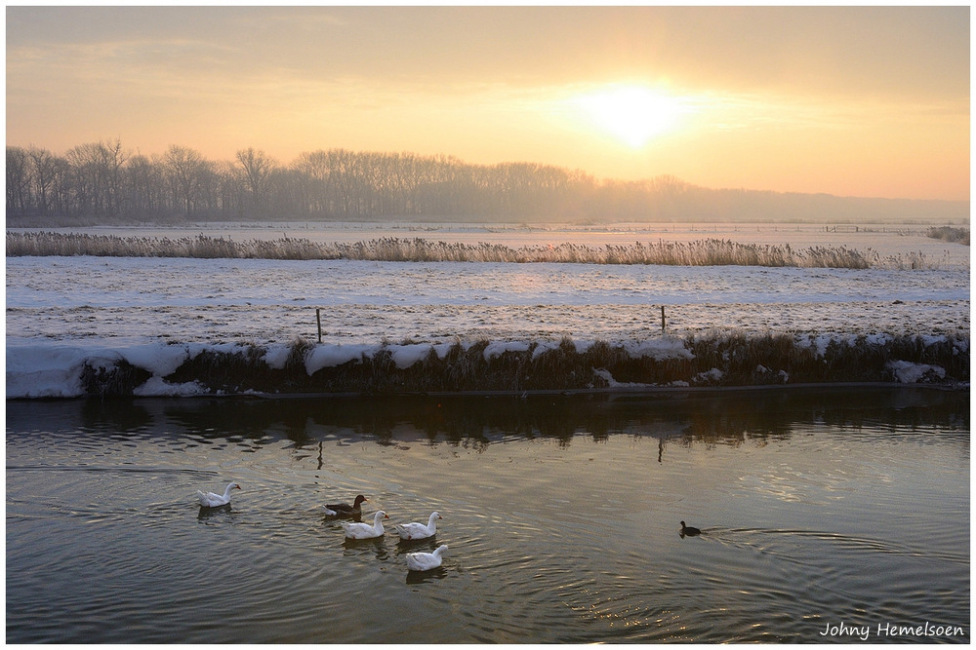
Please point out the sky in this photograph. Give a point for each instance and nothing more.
(851, 101)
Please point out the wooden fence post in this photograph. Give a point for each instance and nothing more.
(318, 320)
(662, 319)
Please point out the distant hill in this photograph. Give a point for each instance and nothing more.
(752, 205)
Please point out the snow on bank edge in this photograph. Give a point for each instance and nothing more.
(56, 371)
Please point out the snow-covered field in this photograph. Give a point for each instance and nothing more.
(62, 311)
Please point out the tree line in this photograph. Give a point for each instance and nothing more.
(105, 183)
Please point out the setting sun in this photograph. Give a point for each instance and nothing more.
(749, 97)
(632, 114)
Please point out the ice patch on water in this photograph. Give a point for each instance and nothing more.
(714, 376)
(911, 373)
(605, 375)
(158, 387)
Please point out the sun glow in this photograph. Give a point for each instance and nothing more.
(632, 114)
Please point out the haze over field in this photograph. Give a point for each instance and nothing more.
(848, 101)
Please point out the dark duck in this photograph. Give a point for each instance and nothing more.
(690, 531)
(346, 510)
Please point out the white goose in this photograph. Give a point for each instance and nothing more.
(211, 500)
(425, 561)
(358, 530)
(415, 530)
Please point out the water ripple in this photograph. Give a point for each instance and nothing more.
(549, 541)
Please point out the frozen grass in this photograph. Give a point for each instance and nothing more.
(950, 234)
(408, 368)
(704, 252)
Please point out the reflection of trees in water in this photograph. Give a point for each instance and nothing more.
(730, 417)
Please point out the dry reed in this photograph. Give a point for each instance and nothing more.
(704, 252)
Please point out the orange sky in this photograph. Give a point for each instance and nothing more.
(868, 101)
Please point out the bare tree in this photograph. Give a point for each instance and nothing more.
(116, 157)
(18, 180)
(146, 188)
(98, 177)
(256, 169)
(45, 169)
(187, 171)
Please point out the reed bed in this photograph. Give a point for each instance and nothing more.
(950, 234)
(704, 252)
(713, 361)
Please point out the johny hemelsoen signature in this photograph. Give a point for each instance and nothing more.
(891, 630)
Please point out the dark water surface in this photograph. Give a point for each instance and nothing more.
(843, 510)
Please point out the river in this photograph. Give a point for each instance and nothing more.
(825, 512)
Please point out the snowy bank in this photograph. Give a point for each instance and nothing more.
(64, 371)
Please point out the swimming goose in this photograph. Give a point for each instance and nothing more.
(425, 561)
(691, 531)
(211, 500)
(365, 531)
(415, 530)
(344, 509)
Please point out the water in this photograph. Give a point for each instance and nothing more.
(561, 516)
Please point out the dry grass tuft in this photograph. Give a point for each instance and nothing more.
(950, 234)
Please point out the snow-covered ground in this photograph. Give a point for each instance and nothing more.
(62, 311)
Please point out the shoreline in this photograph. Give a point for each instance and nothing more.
(662, 366)
(647, 391)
